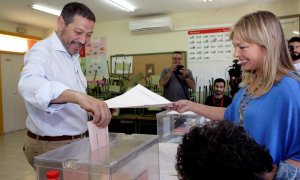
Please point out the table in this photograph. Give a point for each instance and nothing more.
(133, 124)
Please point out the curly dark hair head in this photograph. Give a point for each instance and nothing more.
(221, 151)
(74, 8)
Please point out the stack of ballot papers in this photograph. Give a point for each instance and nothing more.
(138, 97)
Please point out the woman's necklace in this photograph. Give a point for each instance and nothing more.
(244, 102)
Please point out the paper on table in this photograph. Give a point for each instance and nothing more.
(98, 136)
(138, 96)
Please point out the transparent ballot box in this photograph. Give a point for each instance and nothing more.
(127, 157)
(171, 126)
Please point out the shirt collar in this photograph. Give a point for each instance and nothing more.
(57, 45)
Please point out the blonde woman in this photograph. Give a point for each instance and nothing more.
(268, 103)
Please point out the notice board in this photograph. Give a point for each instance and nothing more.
(148, 64)
(210, 54)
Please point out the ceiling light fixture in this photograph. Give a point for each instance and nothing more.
(124, 5)
(296, 32)
(207, 1)
(46, 9)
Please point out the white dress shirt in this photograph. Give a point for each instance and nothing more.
(49, 70)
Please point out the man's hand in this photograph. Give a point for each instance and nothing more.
(98, 108)
(182, 106)
(173, 68)
(184, 72)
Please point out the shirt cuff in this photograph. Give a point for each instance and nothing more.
(45, 94)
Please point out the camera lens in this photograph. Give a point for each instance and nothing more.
(179, 66)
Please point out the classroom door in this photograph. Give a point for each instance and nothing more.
(13, 108)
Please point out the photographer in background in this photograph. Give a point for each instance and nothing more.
(235, 74)
(294, 47)
(176, 80)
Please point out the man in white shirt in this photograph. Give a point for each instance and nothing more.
(54, 87)
(294, 47)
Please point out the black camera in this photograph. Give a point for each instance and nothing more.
(178, 68)
(235, 74)
(235, 71)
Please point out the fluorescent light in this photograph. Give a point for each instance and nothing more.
(124, 5)
(46, 9)
(296, 32)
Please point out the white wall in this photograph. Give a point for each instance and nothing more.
(32, 31)
(121, 41)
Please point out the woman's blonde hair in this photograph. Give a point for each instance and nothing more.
(264, 29)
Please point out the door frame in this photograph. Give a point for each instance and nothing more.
(8, 52)
(1, 100)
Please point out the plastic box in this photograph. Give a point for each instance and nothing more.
(128, 157)
(171, 126)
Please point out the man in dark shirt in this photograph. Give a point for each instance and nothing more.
(294, 47)
(218, 99)
(177, 79)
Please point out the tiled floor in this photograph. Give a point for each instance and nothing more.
(13, 164)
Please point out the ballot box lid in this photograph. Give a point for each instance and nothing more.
(78, 155)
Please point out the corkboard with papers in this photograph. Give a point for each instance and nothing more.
(142, 64)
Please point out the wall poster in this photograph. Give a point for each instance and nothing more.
(93, 59)
(121, 65)
(209, 44)
(210, 53)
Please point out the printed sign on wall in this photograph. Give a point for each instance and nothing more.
(122, 65)
(209, 44)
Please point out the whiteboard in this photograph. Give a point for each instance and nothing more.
(121, 65)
